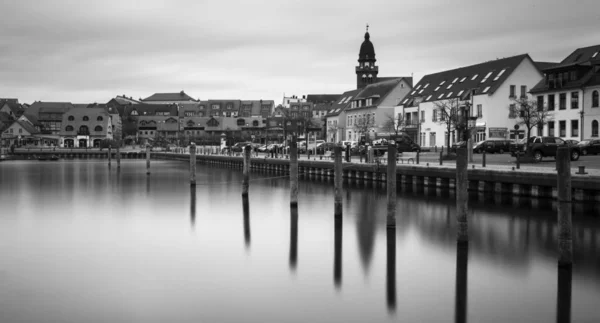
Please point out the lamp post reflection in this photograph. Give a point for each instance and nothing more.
(293, 237)
(193, 205)
(337, 255)
(391, 268)
(462, 256)
(246, 206)
(563, 300)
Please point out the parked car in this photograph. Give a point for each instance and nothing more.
(492, 146)
(326, 146)
(458, 144)
(542, 147)
(572, 142)
(589, 146)
(238, 147)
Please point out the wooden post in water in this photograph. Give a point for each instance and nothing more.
(565, 239)
(293, 237)
(563, 298)
(483, 158)
(462, 195)
(391, 268)
(337, 181)
(293, 174)
(118, 156)
(246, 207)
(192, 164)
(246, 170)
(109, 154)
(193, 205)
(460, 299)
(391, 184)
(337, 253)
(148, 159)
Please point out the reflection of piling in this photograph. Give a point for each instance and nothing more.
(565, 240)
(391, 268)
(462, 256)
(563, 299)
(192, 164)
(338, 180)
(193, 205)
(293, 237)
(462, 195)
(246, 171)
(246, 206)
(147, 159)
(337, 256)
(293, 174)
(391, 184)
(109, 155)
(118, 157)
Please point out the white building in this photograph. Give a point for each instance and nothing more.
(494, 84)
(570, 90)
(335, 120)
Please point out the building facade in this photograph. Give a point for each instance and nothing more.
(85, 127)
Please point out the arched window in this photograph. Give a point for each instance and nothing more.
(69, 128)
(99, 118)
(255, 123)
(595, 128)
(84, 131)
(85, 118)
(98, 128)
(71, 118)
(595, 99)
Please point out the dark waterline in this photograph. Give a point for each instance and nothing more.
(85, 243)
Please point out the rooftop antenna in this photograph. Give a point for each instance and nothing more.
(367, 27)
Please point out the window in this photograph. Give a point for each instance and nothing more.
(594, 128)
(426, 85)
(69, 128)
(229, 106)
(595, 99)
(437, 88)
(71, 118)
(429, 97)
(454, 81)
(562, 128)
(99, 118)
(463, 79)
(419, 92)
(413, 92)
(479, 111)
(449, 86)
(422, 116)
(442, 83)
(215, 107)
(512, 111)
(441, 95)
(551, 128)
(486, 77)
(540, 102)
(474, 77)
(449, 94)
(523, 91)
(486, 89)
(460, 92)
(595, 54)
(551, 104)
(84, 131)
(98, 128)
(513, 90)
(435, 117)
(20, 130)
(574, 128)
(189, 113)
(562, 101)
(499, 74)
(418, 87)
(85, 118)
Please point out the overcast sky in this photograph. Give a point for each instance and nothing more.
(90, 51)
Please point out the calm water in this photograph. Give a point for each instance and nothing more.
(84, 243)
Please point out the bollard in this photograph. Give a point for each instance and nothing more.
(192, 164)
(293, 237)
(293, 174)
(565, 240)
(418, 156)
(109, 154)
(483, 159)
(391, 268)
(246, 171)
(147, 159)
(337, 252)
(441, 156)
(462, 195)
(391, 184)
(118, 156)
(246, 208)
(581, 170)
(347, 153)
(338, 180)
(518, 161)
(435, 148)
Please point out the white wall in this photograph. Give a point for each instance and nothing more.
(590, 113)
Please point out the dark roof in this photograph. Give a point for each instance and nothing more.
(33, 119)
(52, 107)
(367, 51)
(408, 79)
(13, 105)
(151, 109)
(579, 56)
(544, 65)
(325, 106)
(169, 97)
(322, 98)
(343, 102)
(433, 87)
(5, 117)
(29, 128)
(91, 123)
(123, 100)
(81, 105)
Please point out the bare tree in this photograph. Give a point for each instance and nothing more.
(529, 115)
(395, 125)
(364, 124)
(447, 115)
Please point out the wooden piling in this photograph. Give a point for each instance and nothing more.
(109, 155)
(563, 298)
(293, 174)
(293, 238)
(193, 205)
(246, 208)
(483, 158)
(246, 170)
(148, 159)
(462, 195)
(193, 164)
(337, 254)
(391, 184)
(118, 157)
(460, 299)
(338, 180)
(565, 239)
(391, 268)
(441, 156)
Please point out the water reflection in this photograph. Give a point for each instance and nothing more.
(337, 256)
(246, 207)
(293, 237)
(563, 302)
(391, 268)
(366, 226)
(460, 299)
(193, 205)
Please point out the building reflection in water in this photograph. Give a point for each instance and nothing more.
(366, 227)
(293, 238)
(462, 256)
(337, 256)
(246, 207)
(391, 268)
(563, 300)
(193, 205)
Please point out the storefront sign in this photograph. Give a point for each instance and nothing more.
(498, 132)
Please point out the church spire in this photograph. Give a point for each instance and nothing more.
(366, 71)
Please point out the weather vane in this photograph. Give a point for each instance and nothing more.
(367, 27)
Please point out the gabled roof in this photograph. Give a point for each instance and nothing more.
(578, 57)
(544, 65)
(343, 101)
(151, 109)
(13, 105)
(322, 98)
(28, 127)
(33, 119)
(123, 100)
(48, 107)
(325, 106)
(81, 105)
(407, 79)
(5, 117)
(483, 78)
(169, 97)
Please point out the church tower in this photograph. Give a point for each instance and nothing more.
(366, 71)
